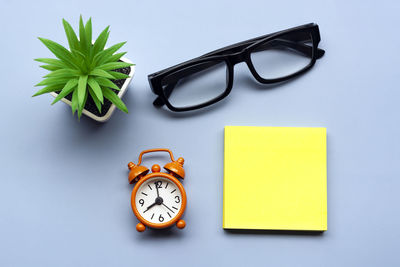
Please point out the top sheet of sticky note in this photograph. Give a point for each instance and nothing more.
(275, 178)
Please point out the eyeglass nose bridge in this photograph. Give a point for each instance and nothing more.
(237, 58)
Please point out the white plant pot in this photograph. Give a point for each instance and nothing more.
(112, 108)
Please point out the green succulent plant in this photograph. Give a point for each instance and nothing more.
(85, 70)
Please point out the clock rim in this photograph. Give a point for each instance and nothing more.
(158, 225)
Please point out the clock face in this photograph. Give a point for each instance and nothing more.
(158, 200)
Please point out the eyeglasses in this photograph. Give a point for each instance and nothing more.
(207, 79)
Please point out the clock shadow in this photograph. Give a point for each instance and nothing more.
(151, 234)
(273, 232)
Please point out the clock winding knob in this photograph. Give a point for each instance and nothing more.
(155, 168)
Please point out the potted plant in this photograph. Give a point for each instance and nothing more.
(89, 77)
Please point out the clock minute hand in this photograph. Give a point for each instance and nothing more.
(158, 194)
(168, 208)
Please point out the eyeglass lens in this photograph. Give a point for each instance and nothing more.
(282, 56)
(196, 84)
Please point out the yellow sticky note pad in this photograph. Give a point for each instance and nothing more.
(275, 178)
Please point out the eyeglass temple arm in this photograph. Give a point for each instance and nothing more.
(300, 47)
(295, 44)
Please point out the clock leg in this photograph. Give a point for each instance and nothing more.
(140, 227)
(181, 224)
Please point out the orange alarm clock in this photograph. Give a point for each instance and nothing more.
(158, 199)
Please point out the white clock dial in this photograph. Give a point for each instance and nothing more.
(158, 200)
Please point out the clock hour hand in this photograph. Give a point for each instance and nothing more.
(149, 207)
(158, 201)
(168, 208)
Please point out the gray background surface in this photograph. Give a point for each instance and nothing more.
(64, 194)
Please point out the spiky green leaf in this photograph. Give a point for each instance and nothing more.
(48, 89)
(114, 65)
(81, 60)
(101, 41)
(59, 51)
(101, 73)
(79, 54)
(53, 81)
(84, 43)
(88, 33)
(104, 55)
(88, 30)
(115, 57)
(110, 95)
(96, 89)
(71, 35)
(96, 101)
(68, 88)
(82, 106)
(50, 67)
(118, 75)
(82, 84)
(52, 61)
(74, 101)
(63, 73)
(106, 82)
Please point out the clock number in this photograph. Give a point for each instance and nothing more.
(161, 218)
(158, 184)
(177, 199)
(141, 202)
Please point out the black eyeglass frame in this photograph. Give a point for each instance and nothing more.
(234, 54)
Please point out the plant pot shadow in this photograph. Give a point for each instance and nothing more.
(86, 133)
